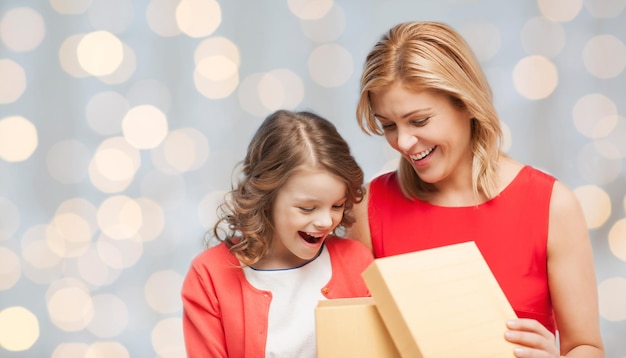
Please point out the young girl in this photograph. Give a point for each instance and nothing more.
(254, 294)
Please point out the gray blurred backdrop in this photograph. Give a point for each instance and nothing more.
(121, 122)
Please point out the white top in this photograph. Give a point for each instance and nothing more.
(295, 293)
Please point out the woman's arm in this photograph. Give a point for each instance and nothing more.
(573, 287)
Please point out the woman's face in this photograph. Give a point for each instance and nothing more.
(429, 132)
(307, 208)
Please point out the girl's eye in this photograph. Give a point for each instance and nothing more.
(339, 207)
(307, 210)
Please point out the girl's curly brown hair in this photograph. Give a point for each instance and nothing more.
(284, 142)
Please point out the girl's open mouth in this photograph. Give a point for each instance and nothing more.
(310, 238)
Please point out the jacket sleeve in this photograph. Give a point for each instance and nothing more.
(202, 319)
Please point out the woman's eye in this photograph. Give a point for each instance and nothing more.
(339, 207)
(386, 126)
(420, 122)
(307, 210)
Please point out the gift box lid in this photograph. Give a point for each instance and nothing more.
(442, 302)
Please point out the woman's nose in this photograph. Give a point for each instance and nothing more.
(406, 140)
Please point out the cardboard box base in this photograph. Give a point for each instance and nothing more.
(352, 328)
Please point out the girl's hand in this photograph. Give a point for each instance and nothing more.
(533, 339)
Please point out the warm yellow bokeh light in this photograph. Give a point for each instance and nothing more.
(9, 268)
(68, 57)
(167, 338)
(248, 95)
(560, 10)
(119, 254)
(217, 46)
(216, 74)
(215, 89)
(120, 217)
(105, 172)
(280, 89)
(161, 17)
(13, 82)
(70, 308)
(36, 251)
(22, 29)
(125, 70)
(114, 164)
(161, 291)
(183, 150)
(617, 239)
(596, 205)
(70, 350)
(271, 92)
(216, 68)
(611, 298)
(153, 219)
(535, 77)
(107, 349)
(144, 127)
(100, 53)
(69, 235)
(328, 28)
(93, 270)
(595, 115)
(330, 65)
(19, 329)
(18, 138)
(70, 7)
(198, 18)
(310, 9)
(9, 219)
(605, 56)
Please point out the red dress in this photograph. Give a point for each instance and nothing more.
(510, 230)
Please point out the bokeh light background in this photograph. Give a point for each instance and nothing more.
(121, 122)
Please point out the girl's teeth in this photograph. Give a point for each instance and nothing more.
(310, 238)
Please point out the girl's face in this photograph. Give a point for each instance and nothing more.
(429, 132)
(307, 208)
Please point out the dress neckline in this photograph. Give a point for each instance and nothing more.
(487, 202)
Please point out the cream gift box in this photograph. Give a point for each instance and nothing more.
(351, 328)
(440, 303)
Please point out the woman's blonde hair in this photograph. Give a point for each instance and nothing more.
(284, 143)
(433, 56)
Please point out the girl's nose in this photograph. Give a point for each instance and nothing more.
(323, 220)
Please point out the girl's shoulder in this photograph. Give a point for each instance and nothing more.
(344, 245)
(218, 251)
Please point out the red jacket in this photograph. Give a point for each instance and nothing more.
(225, 316)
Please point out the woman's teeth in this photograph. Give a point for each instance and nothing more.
(423, 154)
